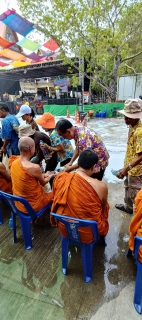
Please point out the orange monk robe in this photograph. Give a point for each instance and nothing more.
(135, 227)
(26, 185)
(11, 159)
(5, 186)
(75, 197)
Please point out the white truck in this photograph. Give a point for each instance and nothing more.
(129, 86)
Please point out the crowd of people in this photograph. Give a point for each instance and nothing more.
(78, 190)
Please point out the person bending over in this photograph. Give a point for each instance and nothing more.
(62, 147)
(78, 195)
(84, 139)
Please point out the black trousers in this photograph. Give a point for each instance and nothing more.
(98, 175)
(63, 163)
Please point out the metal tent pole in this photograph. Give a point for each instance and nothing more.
(81, 83)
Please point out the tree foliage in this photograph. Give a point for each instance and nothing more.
(107, 33)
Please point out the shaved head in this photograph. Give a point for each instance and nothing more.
(25, 143)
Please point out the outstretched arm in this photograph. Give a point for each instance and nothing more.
(58, 148)
(43, 179)
(75, 156)
(69, 166)
(135, 162)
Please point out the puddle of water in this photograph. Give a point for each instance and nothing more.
(116, 162)
(114, 135)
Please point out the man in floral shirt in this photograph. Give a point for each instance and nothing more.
(84, 139)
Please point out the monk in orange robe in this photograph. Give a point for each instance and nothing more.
(78, 195)
(5, 180)
(27, 178)
(135, 227)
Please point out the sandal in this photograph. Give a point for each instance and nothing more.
(122, 208)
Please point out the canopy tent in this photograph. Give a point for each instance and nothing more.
(16, 65)
(49, 69)
(16, 23)
(11, 50)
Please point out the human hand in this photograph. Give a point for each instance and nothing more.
(68, 165)
(3, 149)
(68, 169)
(122, 173)
(50, 174)
(44, 146)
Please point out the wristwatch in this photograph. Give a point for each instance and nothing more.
(130, 167)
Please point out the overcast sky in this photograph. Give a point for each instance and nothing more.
(8, 4)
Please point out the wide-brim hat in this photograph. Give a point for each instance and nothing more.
(24, 109)
(47, 121)
(132, 108)
(25, 130)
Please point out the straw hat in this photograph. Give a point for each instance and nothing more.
(47, 121)
(25, 130)
(132, 108)
(24, 109)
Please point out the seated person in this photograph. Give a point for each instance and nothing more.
(27, 179)
(135, 227)
(80, 196)
(5, 179)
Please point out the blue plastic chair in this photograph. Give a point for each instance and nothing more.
(72, 225)
(138, 284)
(24, 218)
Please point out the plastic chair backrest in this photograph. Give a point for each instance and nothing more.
(10, 200)
(137, 244)
(72, 225)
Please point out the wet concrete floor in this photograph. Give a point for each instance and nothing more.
(31, 282)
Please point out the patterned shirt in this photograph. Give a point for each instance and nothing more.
(90, 140)
(134, 147)
(56, 140)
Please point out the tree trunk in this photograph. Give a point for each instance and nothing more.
(112, 87)
(113, 79)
